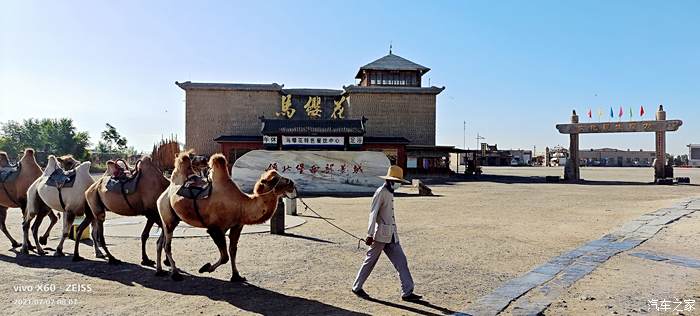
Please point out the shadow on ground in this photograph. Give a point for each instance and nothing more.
(508, 179)
(410, 309)
(244, 296)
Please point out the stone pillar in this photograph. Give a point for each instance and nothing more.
(290, 206)
(660, 165)
(571, 169)
(277, 220)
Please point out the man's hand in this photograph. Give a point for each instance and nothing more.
(369, 240)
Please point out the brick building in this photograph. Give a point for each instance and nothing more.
(388, 110)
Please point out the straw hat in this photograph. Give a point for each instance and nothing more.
(395, 173)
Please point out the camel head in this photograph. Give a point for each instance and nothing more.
(199, 163)
(218, 164)
(112, 168)
(67, 162)
(4, 160)
(183, 164)
(272, 181)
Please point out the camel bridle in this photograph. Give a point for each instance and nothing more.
(274, 187)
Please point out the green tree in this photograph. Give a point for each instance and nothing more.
(53, 136)
(112, 141)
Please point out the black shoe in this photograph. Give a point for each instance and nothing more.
(360, 293)
(411, 298)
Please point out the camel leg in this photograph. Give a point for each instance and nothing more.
(110, 258)
(79, 232)
(174, 272)
(3, 215)
(159, 252)
(98, 211)
(220, 240)
(233, 236)
(25, 230)
(54, 219)
(96, 240)
(35, 227)
(168, 221)
(145, 261)
(68, 219)
(34, 205)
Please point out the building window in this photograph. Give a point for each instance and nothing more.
(392, 78)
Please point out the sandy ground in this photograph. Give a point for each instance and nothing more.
(461, 244)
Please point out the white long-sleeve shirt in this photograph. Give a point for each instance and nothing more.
(382, 224)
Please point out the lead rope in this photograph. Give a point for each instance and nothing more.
(307, 207)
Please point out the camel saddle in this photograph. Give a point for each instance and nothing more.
(61, 178)
(123, 183)
(195, 188)
(10, 173)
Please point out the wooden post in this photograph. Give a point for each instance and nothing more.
(660, 166)
(277, 220)
(571, 169)
(290, 206)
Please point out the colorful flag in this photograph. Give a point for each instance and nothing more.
(631, 113)
(600, 113)
(621, 113)
(590, 113)
(612, 114)
(641, 110)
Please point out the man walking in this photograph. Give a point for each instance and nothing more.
(383, 236)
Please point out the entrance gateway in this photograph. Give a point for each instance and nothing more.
(659, 126)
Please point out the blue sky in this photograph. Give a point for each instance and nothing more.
(513, 69)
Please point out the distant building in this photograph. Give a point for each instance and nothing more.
(694, 155)
(389, 110)
(490, 155)
(610, 157)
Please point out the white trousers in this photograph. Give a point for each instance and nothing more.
(397, 258)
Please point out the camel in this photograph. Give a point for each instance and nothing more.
(142, 202)
(14, 192)
(226, 207)
(70, 200)
(200, 165)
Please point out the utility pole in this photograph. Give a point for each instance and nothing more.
(461, 156)
(478, 138)
(534, 155)
(465, 136)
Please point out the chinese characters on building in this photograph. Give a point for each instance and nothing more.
(313, 140)
(315, 107)
(286, 110)
(614, 127)
(330, 169)
(338, 109)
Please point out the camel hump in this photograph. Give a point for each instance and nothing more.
(145, 160)
(29, 152)
(218, 161)
(84, 166)
(50, 165)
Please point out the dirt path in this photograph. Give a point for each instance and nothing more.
(461, 245)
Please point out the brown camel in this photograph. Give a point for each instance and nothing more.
(141, 202)
(13, 193)
(225, 208)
